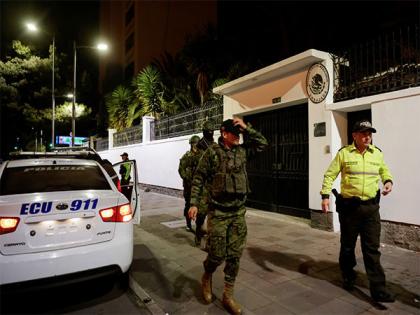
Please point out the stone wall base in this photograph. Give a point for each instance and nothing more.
(162, 190)
(401, 234)
(393, 233)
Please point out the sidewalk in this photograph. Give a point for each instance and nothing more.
(286, 268)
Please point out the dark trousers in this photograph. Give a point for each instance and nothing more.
(364, 220)
(187, 197)
(126, 189)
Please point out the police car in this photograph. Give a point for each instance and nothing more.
(62, 215)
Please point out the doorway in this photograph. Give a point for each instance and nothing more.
(279, 175)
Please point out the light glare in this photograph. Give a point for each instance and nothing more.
(124, 210)
(102, 46)
(32, 27)
(7, 223)
(107, 213)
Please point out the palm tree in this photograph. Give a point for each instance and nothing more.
(177, 83)
(149, 91)
(121, 108)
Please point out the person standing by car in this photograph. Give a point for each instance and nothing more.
(187, 165)
(223, 169)
(125, 171)
(361, 165)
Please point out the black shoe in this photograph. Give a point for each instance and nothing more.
(348, 284)
(383, 296)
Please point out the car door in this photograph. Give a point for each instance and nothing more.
(130, 188)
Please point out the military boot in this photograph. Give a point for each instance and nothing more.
(228, 302)
(206, 287)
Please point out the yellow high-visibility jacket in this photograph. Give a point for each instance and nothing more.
(360, 173)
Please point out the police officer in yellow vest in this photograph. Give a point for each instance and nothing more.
(125, 171)
(361, 165)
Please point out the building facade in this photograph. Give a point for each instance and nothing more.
(292, 103)
(143, 30)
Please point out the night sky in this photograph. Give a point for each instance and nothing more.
(275, 29)
(68, 20)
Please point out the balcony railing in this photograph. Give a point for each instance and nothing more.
(388, 63)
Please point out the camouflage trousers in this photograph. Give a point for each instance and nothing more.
(227, 237)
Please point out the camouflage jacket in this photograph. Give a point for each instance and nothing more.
(203, 144)
(223, 171)
(203, 203)
(187, 165)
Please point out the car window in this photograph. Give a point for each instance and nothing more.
(30, 179)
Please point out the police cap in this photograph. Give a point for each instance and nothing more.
(194, 139)
(363, 125)
(228, 126)
(124, 154)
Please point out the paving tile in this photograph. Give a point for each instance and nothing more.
(323, 286)
(250, 298)
(286, 268)
(273, 309)
(284, 290)
(335, 306)
(303, 302)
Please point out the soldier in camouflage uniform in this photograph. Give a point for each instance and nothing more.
(187, 165)
(206, 141)
(223, 169)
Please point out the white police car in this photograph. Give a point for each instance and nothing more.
(63, 215)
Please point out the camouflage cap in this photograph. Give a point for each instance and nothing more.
(229, 126)
(208, 126)
(194, 139)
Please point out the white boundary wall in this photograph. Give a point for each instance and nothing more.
(396, 117)
(157, 161)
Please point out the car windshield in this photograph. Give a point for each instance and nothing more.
(30, 179)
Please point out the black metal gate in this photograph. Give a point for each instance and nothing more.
(279, 176)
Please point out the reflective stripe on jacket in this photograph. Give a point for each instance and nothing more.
(360, 173)
(125, 170)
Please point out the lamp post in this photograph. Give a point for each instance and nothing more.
(100, 47)
(73, 107)
(32, 27)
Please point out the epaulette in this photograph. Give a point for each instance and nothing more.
(377, 148)
(342, 148)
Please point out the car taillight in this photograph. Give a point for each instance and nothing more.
(117, 214)
(119, 185)
(8, 225)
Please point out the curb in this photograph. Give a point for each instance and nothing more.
(150, 304)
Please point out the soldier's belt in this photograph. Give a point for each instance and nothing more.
(222, 208)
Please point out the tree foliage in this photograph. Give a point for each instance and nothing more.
(148, 91)
(176, 83)
(122, 110)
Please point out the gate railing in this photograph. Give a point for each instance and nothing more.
(102, 144)
(129, 136)
(188, 122)
(388, 63)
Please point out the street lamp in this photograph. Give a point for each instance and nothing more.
(33, 28)
(100, 47)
